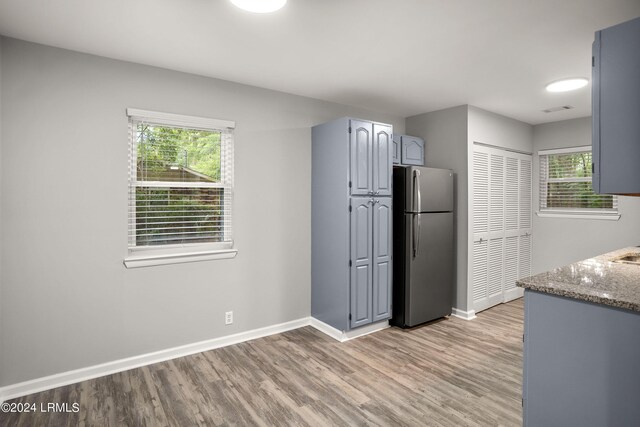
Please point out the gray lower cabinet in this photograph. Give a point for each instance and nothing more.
(362, 261)
(381, 255)
(580, 363)
(351, 235)
(616, 109)
(371, 260)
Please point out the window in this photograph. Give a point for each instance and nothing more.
(180, 188)
(565, 186)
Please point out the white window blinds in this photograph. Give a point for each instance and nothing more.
(565, 183)
(180, 181)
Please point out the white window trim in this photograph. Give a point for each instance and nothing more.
(572, 213)
(176, 254)
(179, 119)
(554, 213)
(148, 258)
(564, 150)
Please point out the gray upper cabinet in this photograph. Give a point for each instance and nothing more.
(412, 151)
(361, 158)
(396, 149)
(382, 158)
(351, 176)
(616, 109)
(408, 150)
(371, 153)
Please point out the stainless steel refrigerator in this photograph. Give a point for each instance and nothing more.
(423, 255)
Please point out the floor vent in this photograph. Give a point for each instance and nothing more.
(554, 109)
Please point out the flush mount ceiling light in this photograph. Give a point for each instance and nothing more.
(259, 6)
(566, 85)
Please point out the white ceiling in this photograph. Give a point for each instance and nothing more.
(404, 57)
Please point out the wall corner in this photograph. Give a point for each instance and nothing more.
(1, 229)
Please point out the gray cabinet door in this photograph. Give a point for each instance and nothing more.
(396, 149)
(382, 259)
(361, 261)
(361, 158)
(616, 108)
(382, 159)
(412, 151)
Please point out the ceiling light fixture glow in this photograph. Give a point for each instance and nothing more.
(566, 85)
(259, 6)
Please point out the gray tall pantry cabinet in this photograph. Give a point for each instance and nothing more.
(351, 242)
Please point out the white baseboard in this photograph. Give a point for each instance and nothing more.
(343, 336)
(466, 315)
(513, 294)
(327, 330)
(70, 377)
(65, 378)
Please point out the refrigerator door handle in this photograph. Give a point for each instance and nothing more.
(417, 202)
(416, 234)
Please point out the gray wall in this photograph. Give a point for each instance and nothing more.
(445, 135)
(560, 241)
(449, 136)
(1, 236)
(67, 300)
(501, 131)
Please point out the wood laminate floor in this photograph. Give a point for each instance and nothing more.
(448, 373)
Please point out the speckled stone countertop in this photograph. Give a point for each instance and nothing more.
(599, 280)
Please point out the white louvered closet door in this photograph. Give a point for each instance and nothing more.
(480, 251)
(524, 250)
(501, 251)
(495, 267)
(512, 221)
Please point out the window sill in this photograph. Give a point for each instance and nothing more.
(574, 215)
(142, 260)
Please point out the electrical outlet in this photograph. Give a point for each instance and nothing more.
(228, 318)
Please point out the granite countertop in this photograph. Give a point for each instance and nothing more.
(599, 280)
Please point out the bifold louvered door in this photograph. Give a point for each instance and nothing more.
(501, 251)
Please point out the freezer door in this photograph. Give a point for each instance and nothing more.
(428, 190)
(429, 265)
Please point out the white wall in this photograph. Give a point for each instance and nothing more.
(67, 300)
(560, 241)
